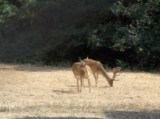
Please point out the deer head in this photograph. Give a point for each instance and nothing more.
(82, 65)
(115, 71)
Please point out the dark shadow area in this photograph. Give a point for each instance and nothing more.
(104, 86)
(155, 114)
(58, 118)
(92, 86)
(85, 86)
(64, 91)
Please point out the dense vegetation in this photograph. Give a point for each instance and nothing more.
(116, 32)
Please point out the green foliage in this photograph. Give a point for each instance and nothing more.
(6, 10)
(120, 32)
(141, 34)
(134, 32)
(122, 64)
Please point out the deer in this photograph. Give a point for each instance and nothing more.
(97, 68)
(80, 72)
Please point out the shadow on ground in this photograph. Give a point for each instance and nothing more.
(63, 91)
(111, 115)
(155, 114)
(58, 118)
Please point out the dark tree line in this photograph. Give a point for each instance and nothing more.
(116, 32)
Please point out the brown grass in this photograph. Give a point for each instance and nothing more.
(30, 92)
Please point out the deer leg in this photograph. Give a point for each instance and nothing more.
(94, 74)
(96, 79)
(81, 79)
(78, 84)
(89, 84)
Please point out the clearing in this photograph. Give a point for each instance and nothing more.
(32, 92)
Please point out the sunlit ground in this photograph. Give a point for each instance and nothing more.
(31, 92)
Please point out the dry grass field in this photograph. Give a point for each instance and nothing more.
(31, 92)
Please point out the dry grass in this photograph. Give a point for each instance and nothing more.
(30, 92)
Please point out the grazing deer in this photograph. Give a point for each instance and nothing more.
(97, 68)
(80, 72)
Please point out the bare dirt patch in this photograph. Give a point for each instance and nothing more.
(31, 92)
